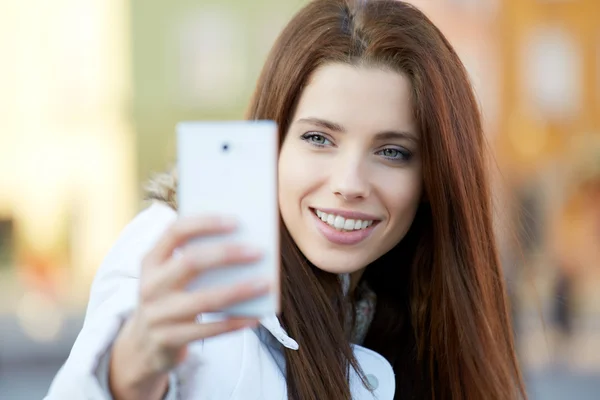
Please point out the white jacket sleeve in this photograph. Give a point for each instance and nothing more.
(114, 294)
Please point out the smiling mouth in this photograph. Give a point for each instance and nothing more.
(343, 224)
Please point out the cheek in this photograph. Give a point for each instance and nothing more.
(292, 179)
(288, 172)
(299, 172)
(402, 199)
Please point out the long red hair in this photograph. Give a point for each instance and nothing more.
(442, 318)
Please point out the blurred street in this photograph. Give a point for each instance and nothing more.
(563, 386)
(28, 376)
(26, 366)
(32, 381)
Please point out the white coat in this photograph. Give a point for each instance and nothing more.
(245, 365)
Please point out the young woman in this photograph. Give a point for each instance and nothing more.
(391, 285)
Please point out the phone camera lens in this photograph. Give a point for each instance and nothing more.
(225, 147)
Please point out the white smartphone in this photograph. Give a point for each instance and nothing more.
(230, 168)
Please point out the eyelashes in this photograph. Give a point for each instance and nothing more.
(395, 154)
(316, 139)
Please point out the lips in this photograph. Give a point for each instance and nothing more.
(344, 227)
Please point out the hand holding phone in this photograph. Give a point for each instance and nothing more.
(154, 338)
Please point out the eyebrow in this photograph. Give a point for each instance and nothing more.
(332, 126)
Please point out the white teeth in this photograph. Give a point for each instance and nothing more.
(349, 224)
(341, 223)
(338, 223)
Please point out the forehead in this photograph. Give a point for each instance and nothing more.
(358, 97)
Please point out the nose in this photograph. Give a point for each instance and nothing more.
(349, 179)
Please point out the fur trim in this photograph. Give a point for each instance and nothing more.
(163, 188)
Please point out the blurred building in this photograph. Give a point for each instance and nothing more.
(549, 155)
(67, 173)
(195, 60)
(67, 181)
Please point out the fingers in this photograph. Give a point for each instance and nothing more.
(185, 229)
(179, 335)
(178, 271)
(166, 316)
(186, 306)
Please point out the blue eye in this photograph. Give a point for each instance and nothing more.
(395, 154)
(316, 139)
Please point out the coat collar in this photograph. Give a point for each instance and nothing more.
(365, 311)
(272, 324)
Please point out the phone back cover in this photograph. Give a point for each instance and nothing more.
(230, 168)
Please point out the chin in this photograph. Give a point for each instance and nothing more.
(336, 263)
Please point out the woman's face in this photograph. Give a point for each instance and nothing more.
(350, 170)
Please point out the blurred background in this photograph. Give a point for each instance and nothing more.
(90, 92)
